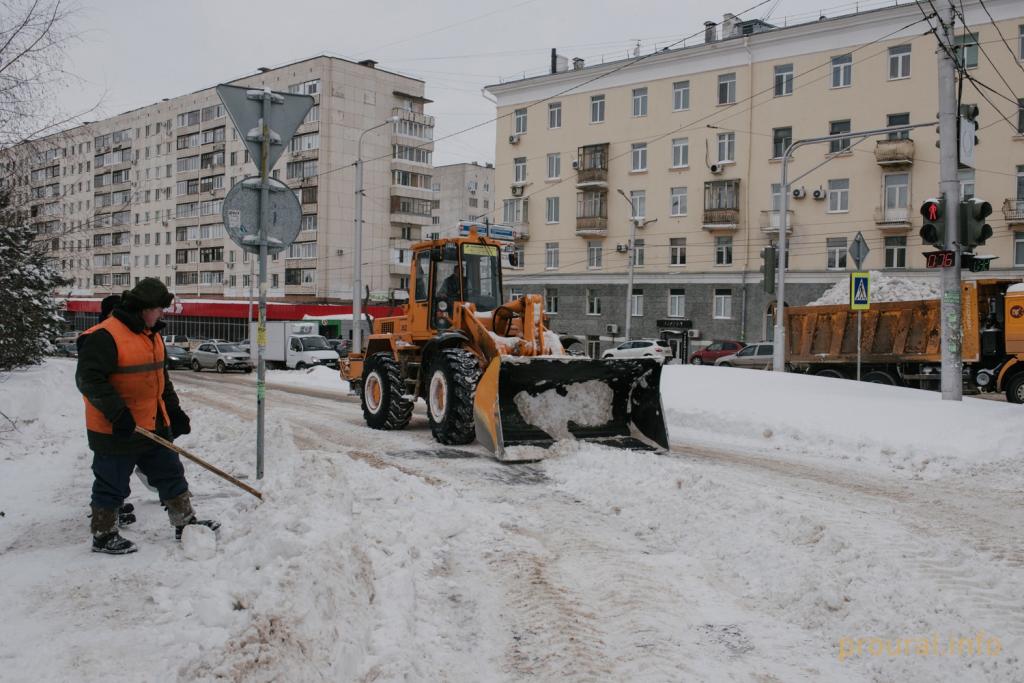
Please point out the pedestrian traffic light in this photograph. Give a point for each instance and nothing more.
(933, 231)
(968, 113)
(973, 228)
(770, 257)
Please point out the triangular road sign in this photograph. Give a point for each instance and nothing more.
(245, 106)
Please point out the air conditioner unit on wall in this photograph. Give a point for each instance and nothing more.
(611, 328)
(517, 190)
(513, 139)
(576, 164)
(693, 334)
(716, 169)
(819, 194)
(621, 248)
(799, 193)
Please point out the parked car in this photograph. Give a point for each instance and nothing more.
(68, 350)
(178, 340)
(342, 346)
(222, 357)
(756, 356)
(641, 348)
(69, 338)
(715, 350)
(177, 357)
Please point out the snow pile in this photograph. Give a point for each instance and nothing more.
(587, 404)
(865, 425)
(198, 542)
(316, 377)
(883, 288)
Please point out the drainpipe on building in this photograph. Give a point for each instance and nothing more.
(750, 151)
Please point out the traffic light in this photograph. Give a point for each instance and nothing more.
(769, 257)
(933, 231)
(973, 228)
(968, 125)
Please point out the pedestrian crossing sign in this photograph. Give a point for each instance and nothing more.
(860, 291)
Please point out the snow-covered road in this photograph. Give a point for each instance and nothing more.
(381, 556)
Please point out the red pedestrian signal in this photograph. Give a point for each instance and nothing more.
(931, 210)
(933, 230)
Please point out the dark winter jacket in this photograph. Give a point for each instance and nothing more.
(97, 358)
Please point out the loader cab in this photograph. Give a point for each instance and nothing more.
(456, 271)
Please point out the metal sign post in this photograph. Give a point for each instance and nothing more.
(252, 112)
(860, 288)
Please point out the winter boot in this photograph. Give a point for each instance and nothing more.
(105, 538)
(126, 515)
(181, 514)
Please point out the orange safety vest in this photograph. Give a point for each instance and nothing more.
(138, 378)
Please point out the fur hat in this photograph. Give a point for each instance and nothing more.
(149, 293)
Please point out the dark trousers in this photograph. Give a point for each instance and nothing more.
(113, 472)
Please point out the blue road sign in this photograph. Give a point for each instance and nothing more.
(860, 291)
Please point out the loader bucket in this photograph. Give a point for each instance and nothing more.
(523, 401)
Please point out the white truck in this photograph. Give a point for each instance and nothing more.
(294, 345)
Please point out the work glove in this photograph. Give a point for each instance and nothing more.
(124, 425)
(180, 424)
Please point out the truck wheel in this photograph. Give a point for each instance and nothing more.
(1015, 389)
(300, 366)
(830, 372)
(450, 391)
(881, 377)
(384, 405)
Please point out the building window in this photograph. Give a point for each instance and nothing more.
(552, 209)
(593, 302)
(677, 303)
(897, 196)
(723, 251)
(842, 71)
(727, 88)
(839, 128)
(594, 254)
(899, 62)
(898, 120)
(551, 301)
(966, 178)
(554, 165)
(726, 147)
(681, 94)
(594, 346)
(639, 101)
(637, 303)
(839, 195)
(1020, 116)
(680, 152)
(723, 304)
(835, 249)
(677, 251)
(1020, 46)
(519, 167)
(895, 252)
(638, 198)
(1018, 250)
(783, 80)
(678, 201)
(638, 253)
(512, 213)
(596, 108)
(551, 255)
(966, 47)
(520, 117)
(782, 138)
(640, 156)
(555, 115)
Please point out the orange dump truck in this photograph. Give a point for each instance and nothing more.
(901, 340)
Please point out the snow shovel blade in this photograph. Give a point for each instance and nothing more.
(536, 401)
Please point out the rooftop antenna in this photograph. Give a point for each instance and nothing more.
(636, 50)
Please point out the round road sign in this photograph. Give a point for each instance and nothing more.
(241, 215)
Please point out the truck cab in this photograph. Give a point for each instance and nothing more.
(309, 350)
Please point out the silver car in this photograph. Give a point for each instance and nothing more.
(222, 357)
(755, 356)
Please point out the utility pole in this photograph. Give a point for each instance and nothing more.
(634, 223)
(949, 186)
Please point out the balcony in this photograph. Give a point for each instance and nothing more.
(592, 167)
(592, 226)
(898, 152)
(721, 205)
(415, 117)
(771, 220)
(892, 220)
(1013, 211)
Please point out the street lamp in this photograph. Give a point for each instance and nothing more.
(357, 271)
(634, 222)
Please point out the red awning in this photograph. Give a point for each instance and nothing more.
(212, 308)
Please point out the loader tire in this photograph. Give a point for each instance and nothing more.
(451, 386)
(383, 400)
(1015, 389)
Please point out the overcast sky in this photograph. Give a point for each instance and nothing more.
(136, 52)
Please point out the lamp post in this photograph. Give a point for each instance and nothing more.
(357, 270)
(634, 222)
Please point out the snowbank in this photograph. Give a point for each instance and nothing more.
(865, 425)
(883, 288)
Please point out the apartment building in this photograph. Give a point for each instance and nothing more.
(140, 194)
(462, 192)
(690, 139)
